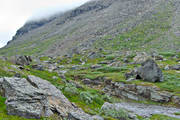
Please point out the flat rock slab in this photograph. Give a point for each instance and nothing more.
(148, 110)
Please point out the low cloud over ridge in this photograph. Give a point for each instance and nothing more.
(14, 13)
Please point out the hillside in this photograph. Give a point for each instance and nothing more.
(105, 60)
(112, 24)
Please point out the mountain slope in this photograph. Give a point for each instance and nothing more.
(110, 24)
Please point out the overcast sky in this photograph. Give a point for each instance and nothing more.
(14, 13)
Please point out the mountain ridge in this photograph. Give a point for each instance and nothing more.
(92, 22)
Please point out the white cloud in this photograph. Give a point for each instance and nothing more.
(14, 13)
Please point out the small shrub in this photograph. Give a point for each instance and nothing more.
(71, 91)
(118, 114)
(110, 57)
(107, 98)
(97, 99)
(86, 97)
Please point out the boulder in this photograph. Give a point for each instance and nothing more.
(38, 67)
(149, 71)
(23, 60)
(34, 98)
(162, 97)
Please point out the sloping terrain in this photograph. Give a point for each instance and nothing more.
(111, 24)
(114, 59)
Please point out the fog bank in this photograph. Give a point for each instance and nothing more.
(15, 13)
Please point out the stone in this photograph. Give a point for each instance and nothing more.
(166, 67)
(1, 87)
(34, 98)
(17, 75)
(162, 97)
(95, 66)
(130, 79)
(146, 110)
(93, 55)
(23, 60)
(176, 100)
(125, 60)
(55, 77)
(157, 56)
(38, 67)
(140, 58)
(149, 71)
(75, 67)
(175, 67)
(116, 64)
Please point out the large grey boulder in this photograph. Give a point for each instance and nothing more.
(149, 71)
(34, 98)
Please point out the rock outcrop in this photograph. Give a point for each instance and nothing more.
(140, 92)
(35, 98)
(149, 71)
(23, 60)
(143, 110)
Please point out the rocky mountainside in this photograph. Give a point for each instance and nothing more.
(105, 60)
(143, 25)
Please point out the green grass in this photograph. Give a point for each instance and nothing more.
(148, 33)
(162, 117)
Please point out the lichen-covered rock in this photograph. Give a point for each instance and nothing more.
(149, 71)
(160, 96)
(34, 98)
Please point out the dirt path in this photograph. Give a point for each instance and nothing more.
(148, 110)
